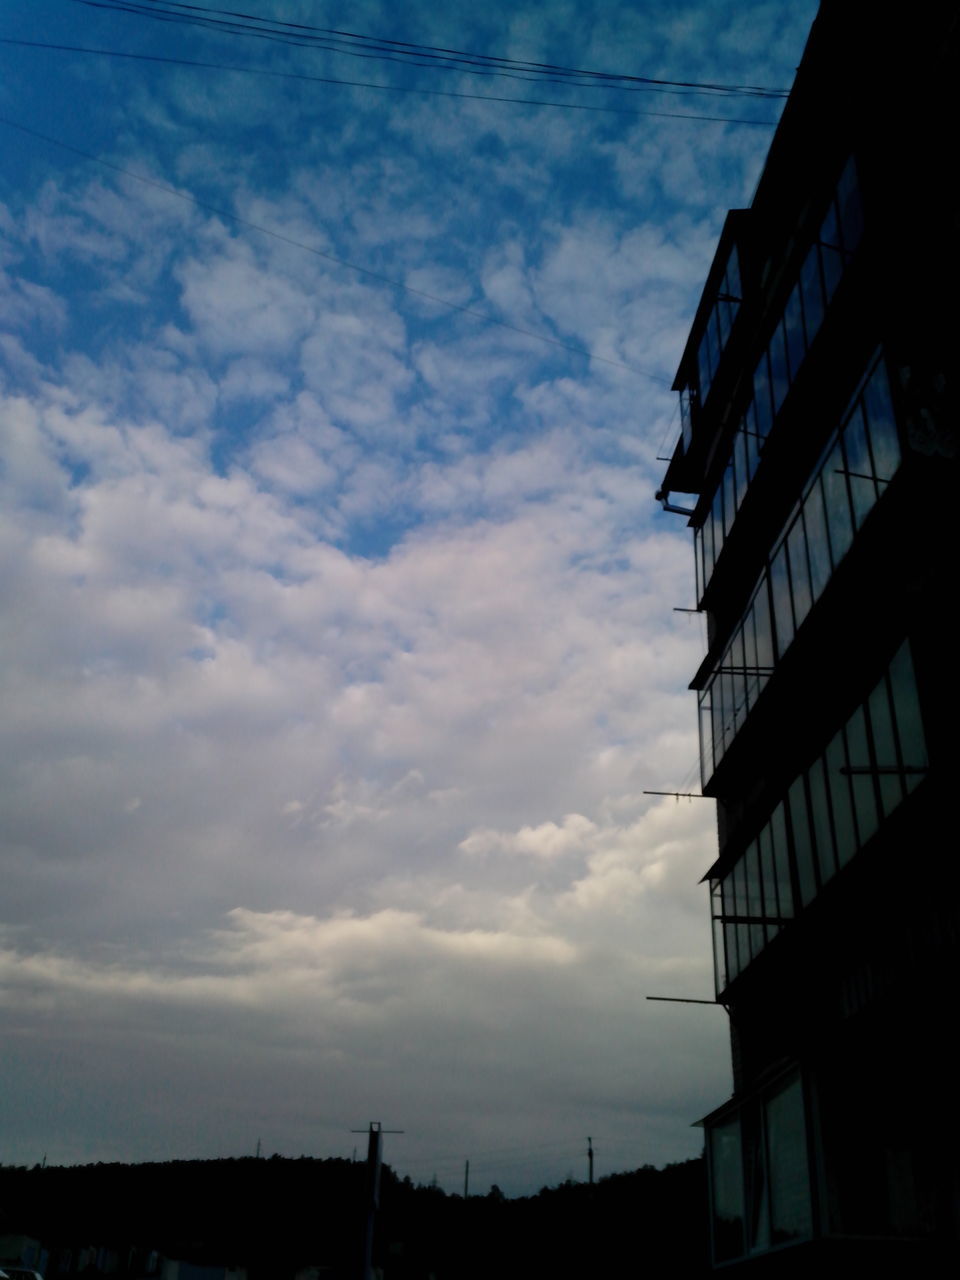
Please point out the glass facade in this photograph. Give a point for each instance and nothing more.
(779, 364)
(847, 483)
(719, 323)
(830, 811)
(760, 1173)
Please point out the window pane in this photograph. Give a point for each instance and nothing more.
(716, 717)
(771, 903)
(802, 846)
(724, 316)
(906, 704)
(831, 259)
(716, 526)
(707, 763)
(731, 949)
(859, 466)
(781, 860)
(793, 331)
(889, 777)
(864, 794)
(813, 301)
(779, 373)
(719, 959)
(837, 505)
(761, 397)
(761, 618)
(726, 702)
(782, 609)
(791, 1216)
(734, 287)
(707, 356)
(799, 572)
(840, 801)
(751, 436)
(741, 466)
(751, 860)
(716, 511)
(851, 211)
(744, 931)
(752, 676)
(883, 426)
(729, 498)
(726, 1188)
(735, 658)
(756, 1179)
(822, 825)
(818, 545)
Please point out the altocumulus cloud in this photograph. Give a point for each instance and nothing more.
(336, 625)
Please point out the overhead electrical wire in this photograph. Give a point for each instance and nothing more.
(389, 88)
(448, 59)
(237, 218)
(354, 44)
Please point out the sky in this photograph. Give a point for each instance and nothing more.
(339, 650)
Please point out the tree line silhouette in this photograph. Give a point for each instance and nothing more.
(276, 1216)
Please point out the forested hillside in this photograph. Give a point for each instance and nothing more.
(276, 1216)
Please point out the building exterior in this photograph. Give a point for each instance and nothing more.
(818, 464)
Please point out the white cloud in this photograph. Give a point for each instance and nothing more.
(337, 626)
(548, 840)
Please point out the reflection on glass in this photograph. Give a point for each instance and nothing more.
(839, 783)
(818, 545)
(913, 748)
(719, 948)
(770, 895)
(799, 572)
(883, 426)
(889, 775)
(840, 494)
(822, 828)
(831, 255)
(863, 490)
(755, 1173)
(782, 607)
(779, 370)
(851, 209)
(791, 1213)
(833, 811)
(786, 350)
(861, 776)
(837, 504)
(802, 845)
(812, 290)
(781, 860)
(793, 331)
(726, 1182)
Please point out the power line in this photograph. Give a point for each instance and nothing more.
(389, 88)
(329, 257)
(233, 22)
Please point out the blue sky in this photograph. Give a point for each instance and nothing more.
(337, 625)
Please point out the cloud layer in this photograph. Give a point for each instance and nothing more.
(338, 631)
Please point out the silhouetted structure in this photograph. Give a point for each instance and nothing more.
(820, 438)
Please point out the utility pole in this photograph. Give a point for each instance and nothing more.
(466, 1180)
(372, 1191)
(590, 1158)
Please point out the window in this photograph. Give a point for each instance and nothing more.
(845, 487)
(719, 324)
(831, 810)
(780, 362)
(759, 1166)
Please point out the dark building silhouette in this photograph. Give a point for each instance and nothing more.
(818, 464)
